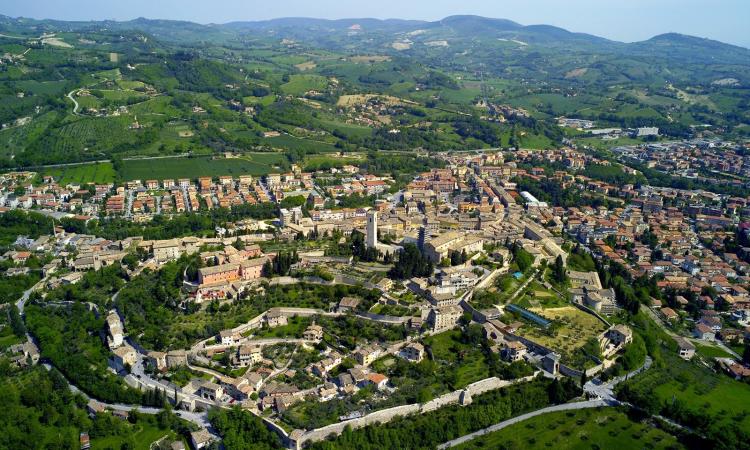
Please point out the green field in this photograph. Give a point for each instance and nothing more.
(299, 84)
(143, 435)
(710, 351)
(290, 142)
(601, 428)
(695, 388)
(99, 173)
(159, 169)
(469, 363)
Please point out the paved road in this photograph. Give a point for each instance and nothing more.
(667, 330)
(521, 418)
(76, 106)
(606, 390)
(604, 393)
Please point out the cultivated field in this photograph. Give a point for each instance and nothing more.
(85, 173)
(252, 164)
(584, 429)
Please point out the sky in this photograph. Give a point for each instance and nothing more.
(622, 20)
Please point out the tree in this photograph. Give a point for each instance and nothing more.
(559, 273)
(411, 263)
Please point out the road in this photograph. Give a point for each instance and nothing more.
(605, 391)
(200, 419)
(76, 106)
(650, 312)
(499, 426)
(21, 303)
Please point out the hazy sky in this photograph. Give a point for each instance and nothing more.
(624, 20)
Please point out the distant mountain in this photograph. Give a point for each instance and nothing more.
(660, 58)
(477, 24)
(690, 49)
(364, 24)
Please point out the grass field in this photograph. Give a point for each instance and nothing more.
(143, 434)
(253, 164)
(601, 428)
(288, 142)
(696, 388)
(299, 84)
(447, 348)
(710, 351)
(99, 173)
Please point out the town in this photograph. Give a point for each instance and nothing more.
(458, 247)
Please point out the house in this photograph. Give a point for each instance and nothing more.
(324, 366)
(157, 360)
(176, 358)
(254, 380)
(313, 333)
(210, 391)
(712, 322)
(228, 337)
(248, 355)
(686, 350)
(589, 280)
(378, 380)
(413, 352)
(275, 318)
(445, 317)
(200, 439)
(669, 314)
(367, 355)
(514, 351)
(348, 304)
(84, 441)
(166, 250)
(124, 356)
(327, 392)
(620, 335)
(704, 332)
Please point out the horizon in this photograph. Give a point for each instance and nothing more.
(612, 21)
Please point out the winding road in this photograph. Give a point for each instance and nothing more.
(76, 106)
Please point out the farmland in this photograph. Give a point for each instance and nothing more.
(584, 429)
(253, 164)
(99, 173)
(299, 84)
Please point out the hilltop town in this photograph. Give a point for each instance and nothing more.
(373, 234)
(464, 253)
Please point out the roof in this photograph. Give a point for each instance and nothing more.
(219, 269)
(349, 302)
(377, 378)
(201, 436)
(684, 343)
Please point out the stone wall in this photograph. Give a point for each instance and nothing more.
(387, 415)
